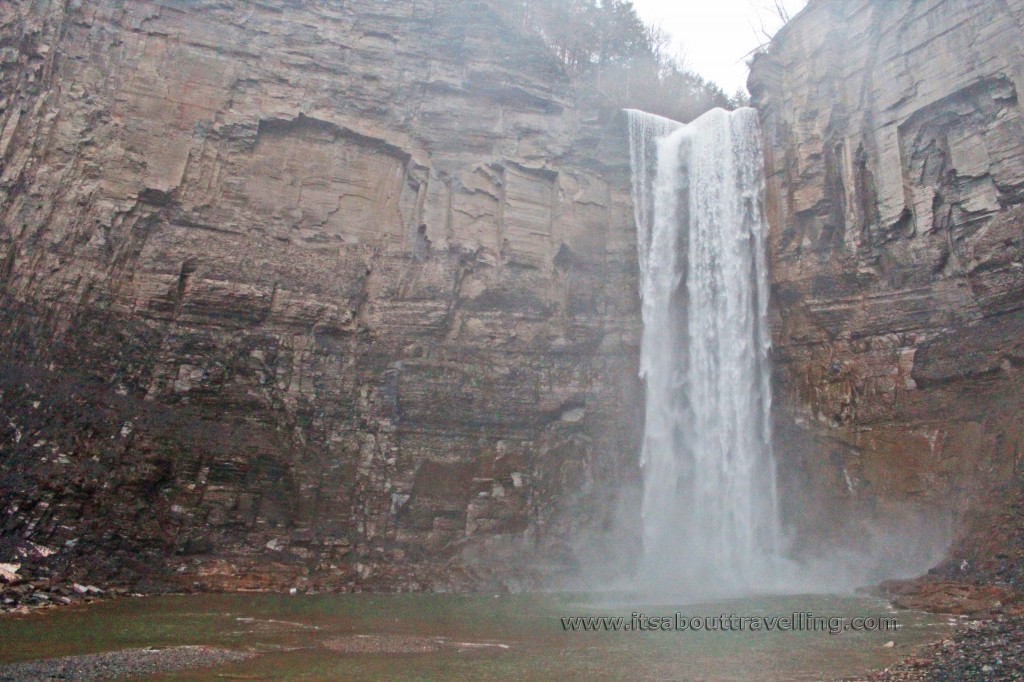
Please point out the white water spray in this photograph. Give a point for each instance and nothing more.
(710, 514)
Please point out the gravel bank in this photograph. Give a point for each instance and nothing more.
(119, 664)
(989, 650)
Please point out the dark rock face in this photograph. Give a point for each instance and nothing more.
(896, 163)
(320, 294)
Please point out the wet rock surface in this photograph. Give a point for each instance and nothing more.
(990, 550)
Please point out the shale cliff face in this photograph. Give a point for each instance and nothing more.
(311, 294)
(896, 162)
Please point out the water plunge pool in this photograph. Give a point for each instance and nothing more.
(468, 637)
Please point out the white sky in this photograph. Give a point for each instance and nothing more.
(714, 35)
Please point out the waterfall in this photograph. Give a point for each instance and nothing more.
(710, 513)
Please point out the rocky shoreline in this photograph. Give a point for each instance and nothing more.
(28, 582)
(24, 596)
(991, 650)
(120, 664)
(988, 644)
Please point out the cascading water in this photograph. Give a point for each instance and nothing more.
(710, 518)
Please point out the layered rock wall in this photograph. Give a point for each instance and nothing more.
(896, 178)
(343, 295)
(307, 293)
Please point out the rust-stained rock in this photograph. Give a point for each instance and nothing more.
(958, 598)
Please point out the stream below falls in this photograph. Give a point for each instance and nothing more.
(466, 637)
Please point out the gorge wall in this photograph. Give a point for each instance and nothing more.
(315, 294)
(344, 295)
(896, 180)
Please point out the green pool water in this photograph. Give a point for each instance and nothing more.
(507, 637)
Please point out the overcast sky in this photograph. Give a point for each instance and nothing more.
(714, 35)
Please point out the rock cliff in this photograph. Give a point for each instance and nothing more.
(896, 180)
(343, 295)
(314, 294)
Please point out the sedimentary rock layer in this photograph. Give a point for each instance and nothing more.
(896, 178)
(306, 293)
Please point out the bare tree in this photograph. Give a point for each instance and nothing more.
(777, 10)
(607, 48)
